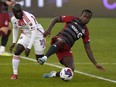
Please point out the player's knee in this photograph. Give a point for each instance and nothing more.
(19, 49)
(39, 56)
(17, 52)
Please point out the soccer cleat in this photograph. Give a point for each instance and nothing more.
(52, 74)
(13, 76)
(42, 60)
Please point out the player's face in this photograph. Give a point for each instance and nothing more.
(85, 17)
(18, 14)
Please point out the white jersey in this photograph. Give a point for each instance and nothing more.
(28, 26)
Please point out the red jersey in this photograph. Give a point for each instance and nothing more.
(73, 30)
(4, 16)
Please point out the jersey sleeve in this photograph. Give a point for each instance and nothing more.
(86, 38)
(67, 18)
(33, 28)
(15, 29)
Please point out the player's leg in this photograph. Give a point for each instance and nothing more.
(65, 57)
(57, 44)
(22, 44)
(16, 60)
(4, 39)
(39, 47)
(4, 30)
(67, 62)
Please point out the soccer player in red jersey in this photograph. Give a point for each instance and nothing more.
(5, 27)
(61, 44)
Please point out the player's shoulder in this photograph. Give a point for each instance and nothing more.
(28, 14)
(13, 18)
(69, 16)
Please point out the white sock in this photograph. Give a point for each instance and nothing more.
(2, 49)
(15, 64)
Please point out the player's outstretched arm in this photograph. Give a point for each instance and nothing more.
(52, 23)
(100, 67)
(91, 57)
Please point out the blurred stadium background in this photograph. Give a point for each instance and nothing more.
(51, 8)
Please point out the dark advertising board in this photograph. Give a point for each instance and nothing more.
(51, 8)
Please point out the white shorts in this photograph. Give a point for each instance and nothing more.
(39, 43)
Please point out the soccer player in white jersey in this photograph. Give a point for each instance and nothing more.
(31, 34)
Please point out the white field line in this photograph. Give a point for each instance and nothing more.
(91, 63)
(5, 64)
(99, 63)
(59, 63)
(90, 75)
(83, 73)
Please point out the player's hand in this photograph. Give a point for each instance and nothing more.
(12, 46)
(10, 3)
(46, 33)
(27, 51)
(99, 67)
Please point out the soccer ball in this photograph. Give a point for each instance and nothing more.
(66, 74)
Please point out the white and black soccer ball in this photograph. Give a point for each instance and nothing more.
(66, 74)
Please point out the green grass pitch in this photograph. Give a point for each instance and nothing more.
(103, 44)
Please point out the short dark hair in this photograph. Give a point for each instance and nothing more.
(87, 10)
(17, 7)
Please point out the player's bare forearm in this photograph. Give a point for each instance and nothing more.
(53, 22)
(91, 57)
(89, 53)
